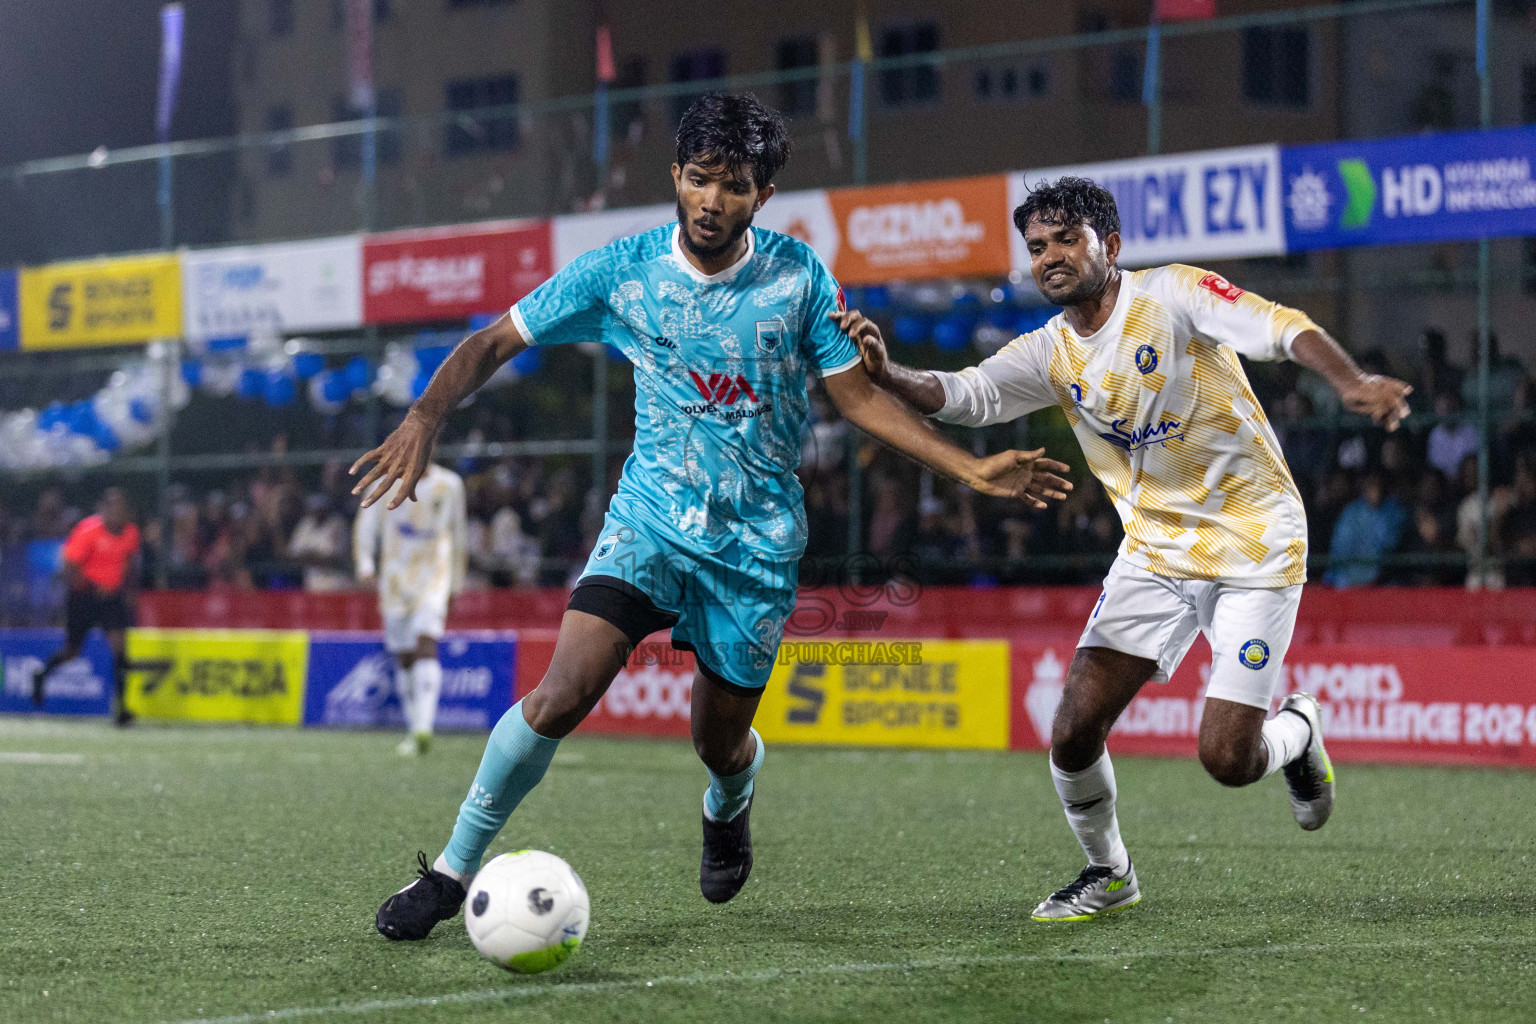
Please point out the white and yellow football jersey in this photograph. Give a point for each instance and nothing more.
(1164, 413)
(420, 546)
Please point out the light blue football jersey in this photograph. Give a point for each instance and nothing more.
(720, 366)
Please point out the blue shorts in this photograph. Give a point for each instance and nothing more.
(730, 606)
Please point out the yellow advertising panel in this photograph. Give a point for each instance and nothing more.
(218, 675)
(897, 693)
(100, 302)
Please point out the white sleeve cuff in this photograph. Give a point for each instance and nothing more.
(954, 395)
(835, 370)
(522, 325)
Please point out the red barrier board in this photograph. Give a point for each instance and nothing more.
(649, 697)
(1451, 705)
(451, 273)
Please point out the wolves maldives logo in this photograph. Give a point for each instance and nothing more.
(1146, 359)
(722, 388)
(1140, 437)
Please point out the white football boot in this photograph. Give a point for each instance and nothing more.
(1310, 776)
(1094, 893)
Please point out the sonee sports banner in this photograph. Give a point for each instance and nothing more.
(889, 692)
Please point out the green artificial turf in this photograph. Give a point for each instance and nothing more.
(191, 874)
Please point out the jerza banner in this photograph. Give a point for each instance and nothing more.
(79, 687)
(1396, 703)
(1422, 188)
(904, 693)
(1218, 204)
(451, 273)
(282, 288)
(352, 681)
(210, 675)
(100, 302)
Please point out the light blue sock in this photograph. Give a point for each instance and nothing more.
(725, 798)
(514, 761)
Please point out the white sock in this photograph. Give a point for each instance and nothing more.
(1285, 739)
(427, 677)
(405, 689)
(441, 865)
(1088, 797)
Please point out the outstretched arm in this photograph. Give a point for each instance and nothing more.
(405, 453)
(1384, 399)
(1011, 474)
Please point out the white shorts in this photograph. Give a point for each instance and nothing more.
(1155, 617)
(402, 627)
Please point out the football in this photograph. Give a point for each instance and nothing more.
(527, 911)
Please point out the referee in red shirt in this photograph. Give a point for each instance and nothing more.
(100, 566)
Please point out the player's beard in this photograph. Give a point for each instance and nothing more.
(1089, 284)
(710, 252)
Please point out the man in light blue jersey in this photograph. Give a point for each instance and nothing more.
(722, 321)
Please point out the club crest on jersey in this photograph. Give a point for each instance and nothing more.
(1221, 287)
(1146, 359)
(605, 546)
(1139, 437)
(1254, 654)
(769, 334)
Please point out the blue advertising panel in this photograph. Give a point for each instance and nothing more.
(352, 681)
(79, 687)
(9, 332)
(1422, 188)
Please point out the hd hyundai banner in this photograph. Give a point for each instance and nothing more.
(79, 687)
(1420, 188)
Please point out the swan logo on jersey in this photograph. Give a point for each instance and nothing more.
(1139, 437)
(1221, 287)
(1254, 654)
(1146, 359)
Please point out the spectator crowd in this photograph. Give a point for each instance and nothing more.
(1392, 509)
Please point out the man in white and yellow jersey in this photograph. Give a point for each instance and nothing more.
(1144, 364)
(420, 566)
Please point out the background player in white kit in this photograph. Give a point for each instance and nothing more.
(420, 569)
(1145, 367)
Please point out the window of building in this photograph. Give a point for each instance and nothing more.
(1008, 81)
(694, 66)
(279, 154)
(1125, 75)
(473, 132)
(797, 98)
(280, 17)
(632, 74)
(347, 150)
(913, 83)
(1277, 66)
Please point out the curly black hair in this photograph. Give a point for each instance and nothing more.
(736, 131)
(1070, 201)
